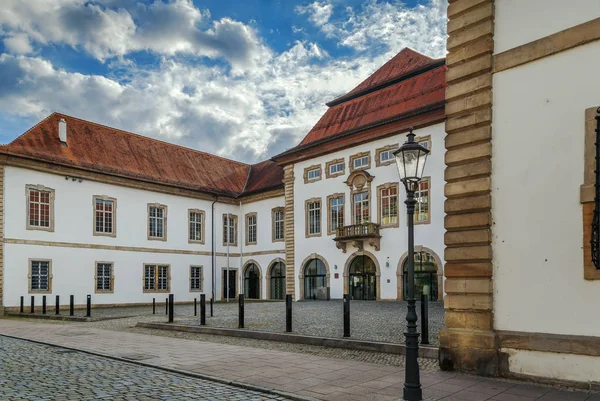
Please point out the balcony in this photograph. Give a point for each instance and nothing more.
(357, 234)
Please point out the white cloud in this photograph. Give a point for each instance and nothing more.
(18, 43)
(319, 12)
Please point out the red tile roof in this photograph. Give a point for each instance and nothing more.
(383, 97)
(102, 149)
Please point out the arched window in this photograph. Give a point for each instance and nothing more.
(426, 278)
(363, 278)
(252, 281)
(278, 280)
(315, 276)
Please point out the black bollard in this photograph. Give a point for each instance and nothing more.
(166, 306)
(22, 304)
(43, 305)
(241, 311)
(72, 305)
(89, 306)
(32, 304)
(154, 306)
(288, 313)
(346, 315)
(57, 305)
(211, 307)
(202, 309)
(195, 307)
(329, 293)
(171, 308)
(424, 319)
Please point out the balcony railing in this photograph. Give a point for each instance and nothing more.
(357, 234)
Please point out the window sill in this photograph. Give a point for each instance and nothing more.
(43, 292)
(34, 228)
(111, 235)
(193, 241)
(157, 239)
(156, 291)
(104, 292)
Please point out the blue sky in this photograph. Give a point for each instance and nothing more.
(244, 79)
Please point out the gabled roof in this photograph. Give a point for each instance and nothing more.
(394, 91)
(107, 150)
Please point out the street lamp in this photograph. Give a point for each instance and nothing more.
(410, 160)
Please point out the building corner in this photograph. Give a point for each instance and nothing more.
(290, 268)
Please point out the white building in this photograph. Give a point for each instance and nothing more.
(129, 219)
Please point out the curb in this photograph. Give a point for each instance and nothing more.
(245, 386)
(66, 318)
(390, 348)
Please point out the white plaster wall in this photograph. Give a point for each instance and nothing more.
(580, 368)
(393, 240)
(518, 22)
(538, 152)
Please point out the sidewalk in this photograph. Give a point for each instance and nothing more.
(307, 375)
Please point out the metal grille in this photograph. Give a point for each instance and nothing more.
(196, 278)
(149, 277)
(103, 276)
(163, 278)
(39, 275)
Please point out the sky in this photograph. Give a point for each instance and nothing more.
(244, 79)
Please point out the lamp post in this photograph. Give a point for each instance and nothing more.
(410, 160)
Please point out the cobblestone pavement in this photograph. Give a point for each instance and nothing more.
(313, 376)
(30, 371)
(369, 320)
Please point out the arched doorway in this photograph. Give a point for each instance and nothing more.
(426, 275)
(277, 280)
(315, 276)
(362, 277)
(252, 281)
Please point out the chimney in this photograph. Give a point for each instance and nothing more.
(62, 131)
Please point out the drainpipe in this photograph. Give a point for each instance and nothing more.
(242, 277)
(213, 259)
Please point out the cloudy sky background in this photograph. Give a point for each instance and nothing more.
(245, 79)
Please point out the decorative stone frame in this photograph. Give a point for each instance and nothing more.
(165, 210)
(303, 266)
(379, 151)
(156, 290)
(49, 290)
(201, 289)
(112, 277)
(247, 228)
(377, 274)
(203, 231)
(310, 168)
(358, 156)
(428, 221)
(587, 193)
(273, 211)
(388, 185)
(41, 188)
(235, 229)
(269, 267)
(400, 273)
(260, 278)
(306, 220)
(331, 231)
(224, 279)
(331, 163)
(425, 138)
(359, 181)
(114, 216)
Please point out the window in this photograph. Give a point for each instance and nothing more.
(278, 215)
(385, 155)
(196, 226)
(251, 228)
(104, 277)
(336, 212)
(334, 168)
(361, 208)
(388, 205)
(424, 141)
(229, 229)
(312, 173)
(196, 278)
(40, 276)
(157, 222)
(360, 161)
(105, 216)
(422, 206)
(313, 217)
(40, 208)
(157, 278)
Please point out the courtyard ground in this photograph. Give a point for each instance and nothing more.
(309, 375)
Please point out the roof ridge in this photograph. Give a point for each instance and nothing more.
(34, 126)
(139, 136)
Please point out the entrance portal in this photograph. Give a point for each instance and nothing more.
(363, 278)
(278, 280)
(229, 285)
(315, 276)
(252, 282)
(426, 278)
